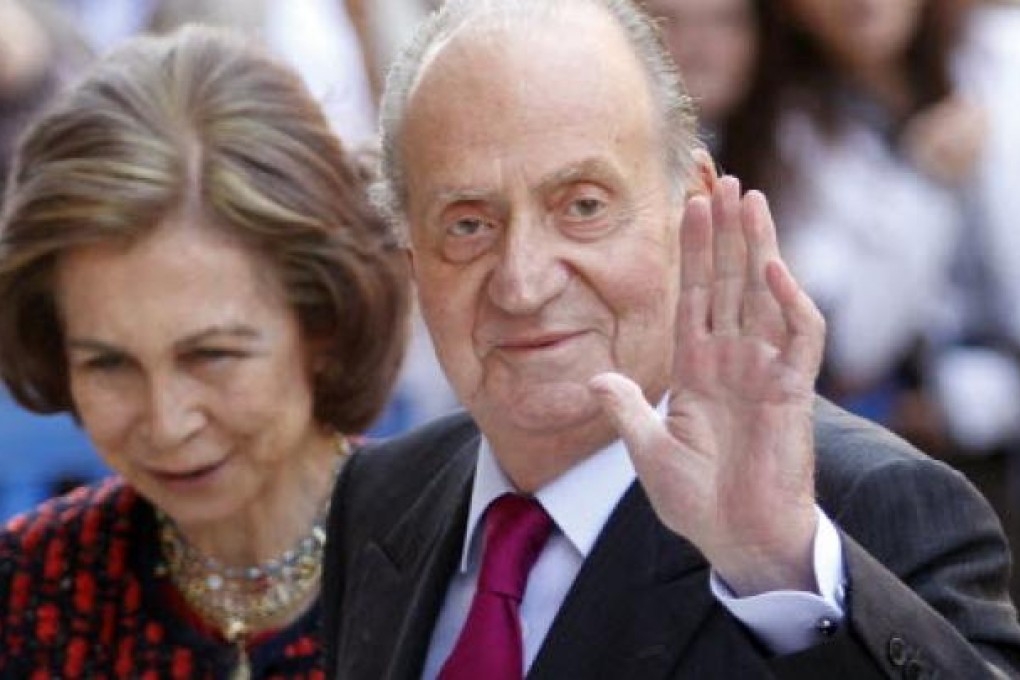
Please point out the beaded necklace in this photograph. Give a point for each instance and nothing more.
(240, 600)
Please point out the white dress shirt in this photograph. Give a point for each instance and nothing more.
(580, 503)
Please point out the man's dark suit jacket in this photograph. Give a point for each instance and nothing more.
(926, 561)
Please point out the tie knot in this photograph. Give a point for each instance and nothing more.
(516, 528)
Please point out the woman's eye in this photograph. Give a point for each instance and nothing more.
(213, 354)
(585, 208)
(105, 363)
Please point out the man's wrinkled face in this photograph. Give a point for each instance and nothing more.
(543, 229)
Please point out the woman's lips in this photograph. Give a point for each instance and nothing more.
(190, 477)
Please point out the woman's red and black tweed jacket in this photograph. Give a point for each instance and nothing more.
(83, 594)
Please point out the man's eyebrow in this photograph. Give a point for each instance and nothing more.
(447, 196)
(597, 169)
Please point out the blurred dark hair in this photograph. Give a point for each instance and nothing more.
(794, 71)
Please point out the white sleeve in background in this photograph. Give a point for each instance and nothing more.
(870, 240)
(392, 23)
(317, 38)
(789, 621)
(987, 70)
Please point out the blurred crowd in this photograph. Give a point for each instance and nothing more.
(884, 133)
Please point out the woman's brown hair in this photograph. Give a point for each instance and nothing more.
(203, 124)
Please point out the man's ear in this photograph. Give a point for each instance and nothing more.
(705, 176)
(409, 252)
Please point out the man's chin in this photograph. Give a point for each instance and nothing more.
(548, 408)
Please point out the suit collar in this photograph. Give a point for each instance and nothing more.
(636, 603)
(402, 578)
(435, 512)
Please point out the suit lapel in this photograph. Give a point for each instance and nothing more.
(635, 605)
(403, 578)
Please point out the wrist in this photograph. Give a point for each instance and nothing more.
(786, 564)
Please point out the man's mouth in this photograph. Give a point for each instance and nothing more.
(536, 342)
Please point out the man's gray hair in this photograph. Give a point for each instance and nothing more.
(640, 31)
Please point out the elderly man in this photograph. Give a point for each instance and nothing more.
(645, 485)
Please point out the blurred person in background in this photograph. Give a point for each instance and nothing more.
(315, 37)
(189, 265)
(39, 52)
(885, 132)
(715, 45)
(383, 26)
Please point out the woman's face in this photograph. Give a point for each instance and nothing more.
(188, 369)
(715, 44)
(860, 34)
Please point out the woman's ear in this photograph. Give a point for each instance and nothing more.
(705, 176)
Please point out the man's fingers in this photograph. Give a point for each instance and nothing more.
(637, 423)
(695, 268)
(805, 324)
(760, 233)
(760, 315)
(729, 257)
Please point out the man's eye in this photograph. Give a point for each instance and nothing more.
(466, 235)
(467, 226)
(585, 208)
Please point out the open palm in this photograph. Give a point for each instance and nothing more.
(731, 467)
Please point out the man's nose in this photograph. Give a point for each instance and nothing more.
(530, 271)
(174, 412)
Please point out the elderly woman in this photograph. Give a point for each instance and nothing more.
(189, 266)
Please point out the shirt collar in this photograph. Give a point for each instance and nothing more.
(579, 501)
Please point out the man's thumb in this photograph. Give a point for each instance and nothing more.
(635, 420)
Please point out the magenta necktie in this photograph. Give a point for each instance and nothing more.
(490, 644)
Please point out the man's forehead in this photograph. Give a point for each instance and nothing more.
(506, 48)
(500, 79)
(491, 145)
(506, 105)
(464, 183)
